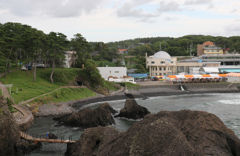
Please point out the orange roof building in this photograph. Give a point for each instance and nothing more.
(208, 43)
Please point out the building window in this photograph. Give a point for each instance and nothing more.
(160, 74)
(116, 71)
(162, 62)
(156, 68)
(172, 62)
(156, 74)
(153, 68)
(160, 68)
(164, 68)
(207, 50)
(217, 50)
(152, 62)
(164, 73)
(131, 80)
(212, 50)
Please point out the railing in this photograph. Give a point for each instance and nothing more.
(42, 138)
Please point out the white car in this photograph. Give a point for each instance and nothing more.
(23, 67)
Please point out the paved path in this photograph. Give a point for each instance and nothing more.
(29, 137)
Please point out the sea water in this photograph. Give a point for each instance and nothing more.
(225, 106)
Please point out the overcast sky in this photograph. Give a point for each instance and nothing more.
(115, 20)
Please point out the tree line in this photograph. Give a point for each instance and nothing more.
(26, 45)
(175, 46)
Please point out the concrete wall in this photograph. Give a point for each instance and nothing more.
(233, 79)
(112, 71)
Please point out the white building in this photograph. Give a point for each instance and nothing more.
(115, 74)
(112, 71)
(69, 58)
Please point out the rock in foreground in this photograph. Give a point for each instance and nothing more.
(132, 110)
(189, 133)
(102, 116)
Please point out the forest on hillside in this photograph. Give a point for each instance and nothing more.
(174, 46)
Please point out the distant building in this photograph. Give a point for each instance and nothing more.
(115, 74)
(118, 72)
(161, 63)
(209, 48)
(122, 51)
(70, 58)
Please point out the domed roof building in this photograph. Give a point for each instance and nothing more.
(161, 55)
(160, 64)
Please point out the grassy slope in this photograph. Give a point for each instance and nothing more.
(32, 89)
(65, 94)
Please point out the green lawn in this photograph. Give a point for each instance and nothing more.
(65, 94)
(28, 89)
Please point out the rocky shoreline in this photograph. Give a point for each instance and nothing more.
(143, 92)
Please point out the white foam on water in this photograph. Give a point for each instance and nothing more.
(230, 102)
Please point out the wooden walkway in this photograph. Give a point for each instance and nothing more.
(36, 140)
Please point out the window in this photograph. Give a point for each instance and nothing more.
(152, 68)
(160, 74)
(153, 62)
(162, 62)
(164, 69)
(164, 73)
(207, 50)
(172, 62)
(212, 50)
(116, 71)
(131, 80)
(217, 50)
(160, 68)
(156, 68)
(156, 74)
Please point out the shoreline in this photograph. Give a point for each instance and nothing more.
(143, 93)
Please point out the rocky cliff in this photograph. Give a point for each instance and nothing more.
(10, 142)
(9, 134)
(174, 133)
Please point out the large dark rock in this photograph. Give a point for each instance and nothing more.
(9, 134)
(52, 136)
(26, 146)
(189, 133)
(132, 110)
(10, 141)
(102, 116)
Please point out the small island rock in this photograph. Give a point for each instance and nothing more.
(102, 116)
(132, 110)
(174, 133)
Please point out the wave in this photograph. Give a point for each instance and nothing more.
(230, 102)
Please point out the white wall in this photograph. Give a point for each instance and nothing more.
(233, 79)
(112, 71)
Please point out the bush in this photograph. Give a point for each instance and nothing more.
(10, 103)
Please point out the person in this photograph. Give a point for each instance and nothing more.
(47, 135)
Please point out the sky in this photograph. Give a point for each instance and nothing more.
(116, 20)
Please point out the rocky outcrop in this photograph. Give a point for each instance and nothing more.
(102, 116)
(52, 136)
(9, 134)
(26, 146)
(132, 110)
(10, 142)
(175, 133)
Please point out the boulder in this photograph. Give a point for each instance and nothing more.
(132, 110)
(26, 146)
(9, 134)
(102, 116)
(52, 136)
(174, 133)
